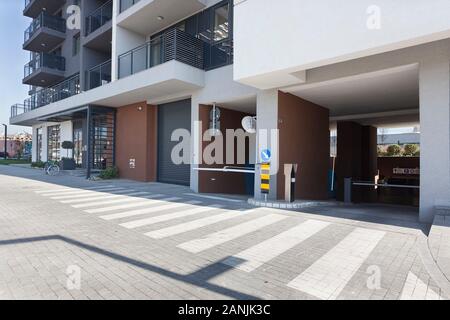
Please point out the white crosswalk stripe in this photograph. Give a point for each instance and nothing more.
(416, 289)
(195, 224)
(161, 207)
(132, 205)
(123, 199)
(62, 191)
(84, 195)
(265, 251)
(80, 192)
(215, 239)
(329, 275)
(99, 196)
(169, 216)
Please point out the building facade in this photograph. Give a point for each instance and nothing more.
(124, 79)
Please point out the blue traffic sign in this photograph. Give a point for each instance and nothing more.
(266, 155)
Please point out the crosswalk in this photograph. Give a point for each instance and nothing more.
(160, 217)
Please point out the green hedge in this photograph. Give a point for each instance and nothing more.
(109, 173)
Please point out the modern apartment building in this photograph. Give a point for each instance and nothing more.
(137, 70)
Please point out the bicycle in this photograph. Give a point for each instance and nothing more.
(51, 168)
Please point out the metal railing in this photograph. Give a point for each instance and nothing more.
(27, 2)
(19, 109)
(349, 183)
(62, 90)
(45, 20)
(44, 60)
(99, 17)
(125, 4)
(99, 75)
(172, 45)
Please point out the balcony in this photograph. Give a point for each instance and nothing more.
(148, 16)
(34, 7)
(125, 4)
(99, 75)
(99, 17)
(44, 33)
(172, 45)
(44, 70)
(41, 98)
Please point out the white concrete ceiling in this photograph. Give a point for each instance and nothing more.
(246, 104)
(143, 17)
(382, 91)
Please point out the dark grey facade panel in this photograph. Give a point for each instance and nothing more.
(172, 116)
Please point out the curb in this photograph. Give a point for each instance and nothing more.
(285, 205)
(431, 265)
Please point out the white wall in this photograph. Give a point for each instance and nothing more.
(274, 39)
(267, 138)
(66, 135)
(435, 133)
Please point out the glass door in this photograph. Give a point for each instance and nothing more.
(78, 146)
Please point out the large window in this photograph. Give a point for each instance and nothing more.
(54, 143)
(39, 145)
(221, 22)
(214, 27)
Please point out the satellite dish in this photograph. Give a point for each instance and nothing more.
(249, 124)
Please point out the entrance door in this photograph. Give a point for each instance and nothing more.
(78, 150)
(172, 116)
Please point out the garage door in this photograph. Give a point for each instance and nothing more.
(172, 116)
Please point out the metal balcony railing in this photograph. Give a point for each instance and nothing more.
(62, 90)
(45, 20)
(27, 2)
(45, 60)
(19, 109)
(99, 75)
(125, 4)
(99, 17)
(172, 45)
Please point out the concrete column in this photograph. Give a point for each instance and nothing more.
(267, 138)
(196, 145)
(34, 144)
(434, 80)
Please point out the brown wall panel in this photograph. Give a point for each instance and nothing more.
(220, 182)
(136, 130)
(304, 140)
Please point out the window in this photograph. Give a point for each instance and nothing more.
(221, 23)
(39, 145)
(76, 44)
(54, 143)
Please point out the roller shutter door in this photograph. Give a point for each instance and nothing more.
(172, 116)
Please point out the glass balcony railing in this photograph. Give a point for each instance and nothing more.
(172, 45)
(99, 75)
(125, 4)
(45, 20)
(99, 17)
(45, 60)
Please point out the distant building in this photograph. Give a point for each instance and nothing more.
(18, 144)
(400, 138)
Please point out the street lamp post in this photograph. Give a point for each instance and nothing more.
(6, 141)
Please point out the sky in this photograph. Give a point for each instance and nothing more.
(12, 60)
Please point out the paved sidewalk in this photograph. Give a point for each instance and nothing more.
(68, 238)
(439, 243)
